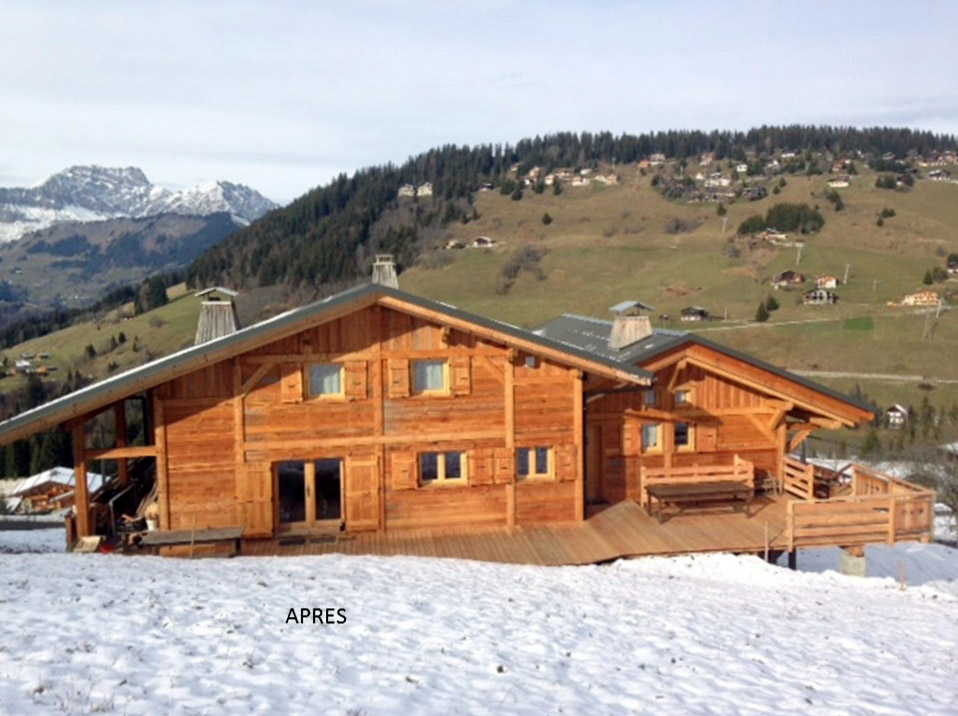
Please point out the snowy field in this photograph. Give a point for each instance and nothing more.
(705, 634)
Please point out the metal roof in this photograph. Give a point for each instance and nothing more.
(592, 334)
(627, 305)
(109, 390)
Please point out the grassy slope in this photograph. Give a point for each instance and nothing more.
(608, 243)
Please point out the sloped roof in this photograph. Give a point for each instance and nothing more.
(63, 476)
(593, 334)
(109, 390)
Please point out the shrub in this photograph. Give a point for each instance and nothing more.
(720, 210)
(546, 219)
(517, 194)
(771, 304)
(678, 225)
(887, 213)
(761, 315)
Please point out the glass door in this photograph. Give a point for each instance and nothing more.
(309, 494)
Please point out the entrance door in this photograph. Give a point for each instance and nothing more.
(309, 494)
(593, 466)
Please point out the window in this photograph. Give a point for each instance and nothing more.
(531, 362)
(325, 379)
(650, 437)
(430, 376)
(648, 397)
(535, 462)
(682, 397)
(436, 468)
(684, 434)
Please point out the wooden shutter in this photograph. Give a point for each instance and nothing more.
(460, 375)
(356, 380)
(705, 438)
(567, 463)
(362, 493)
(398, 378)
(254, 491)
(480, 466)
(630, 438)
(403, 471)
(504, 471)
(291, 383)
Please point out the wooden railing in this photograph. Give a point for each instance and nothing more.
(739, 470)
(798, 479)
(881, 509)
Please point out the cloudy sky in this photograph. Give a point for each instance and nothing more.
(284, 95)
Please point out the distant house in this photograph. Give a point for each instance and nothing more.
(694, 313)
(424, 189)
(608, 179)
(453, 244)
(773, 166)
(953, 268)
(741, 167)
(754, 193)
(407, 191)
(896, 416)
(716, 179)
(787, 279)
(706, 159)
(819, 297)
(581, 181)
(484, 242)
(921, 298)
(788, 155)
(645, 164)
(939, 175)
(840, 182)
(657, 159)
(51, 489)
(827, 280)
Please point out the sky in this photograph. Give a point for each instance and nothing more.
(283, 96)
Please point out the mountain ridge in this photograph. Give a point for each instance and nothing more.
(95, 193)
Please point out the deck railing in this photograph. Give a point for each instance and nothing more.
(881, 509)
(798, 478)
(739, 470)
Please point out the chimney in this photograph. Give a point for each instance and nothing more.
(384, 271)
(630, 324)
(217, 315)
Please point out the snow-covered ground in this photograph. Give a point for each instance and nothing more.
(704, 634)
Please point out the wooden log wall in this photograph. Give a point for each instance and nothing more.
(220, 430)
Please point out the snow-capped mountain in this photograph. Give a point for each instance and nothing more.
(90, 193)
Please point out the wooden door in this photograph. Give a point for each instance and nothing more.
(362, 493)
(254, 493)
(593, 464)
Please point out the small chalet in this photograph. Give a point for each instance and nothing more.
(921, 298)
(787, 279)
(939, 175)
(407, 191)
(827, 280)
(896, 416)
(484, 242)
(694, 313)
(953, 268)
(819, 297)
(51, 490)
(375, 421)
(839, 182)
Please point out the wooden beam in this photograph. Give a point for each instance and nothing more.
(492, 368)
(509, 396)
(762, 427)
(679, 367)
(578, 436)
(239, 436)
(122, 453)
(119, 419)
(799, 437)
(379, 408)
(81, 490)
(368, 440)
(254, 379)
(162, 474)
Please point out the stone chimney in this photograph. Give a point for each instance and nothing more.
(630, 324)
(384, 271)
(217, 315)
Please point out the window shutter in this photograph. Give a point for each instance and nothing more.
(480, 466)
(398, 378)
(566, 463)
(403, 471)
(460, 375)
(504, 470)
(291, 384)
(356, 380)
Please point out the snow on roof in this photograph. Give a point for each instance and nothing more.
(63, 476)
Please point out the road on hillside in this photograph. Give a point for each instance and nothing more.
(893, 377)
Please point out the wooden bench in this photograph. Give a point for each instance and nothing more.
(694, 493)
(178, 538)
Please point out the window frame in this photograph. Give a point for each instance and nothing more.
(689, 394)
(647, 449)
(446, 388)
(441, 479)
(533, 474)
(690, 445)
(341, 395)
(649, 398)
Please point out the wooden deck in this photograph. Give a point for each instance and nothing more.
(621, 530)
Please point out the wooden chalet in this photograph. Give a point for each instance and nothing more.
(378, 421)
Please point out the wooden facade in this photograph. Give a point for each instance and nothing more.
(384, 414)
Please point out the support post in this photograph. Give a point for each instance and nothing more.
(578, 435)
(509, 382)
(793, 559)
(119, 419)
(80, 487)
